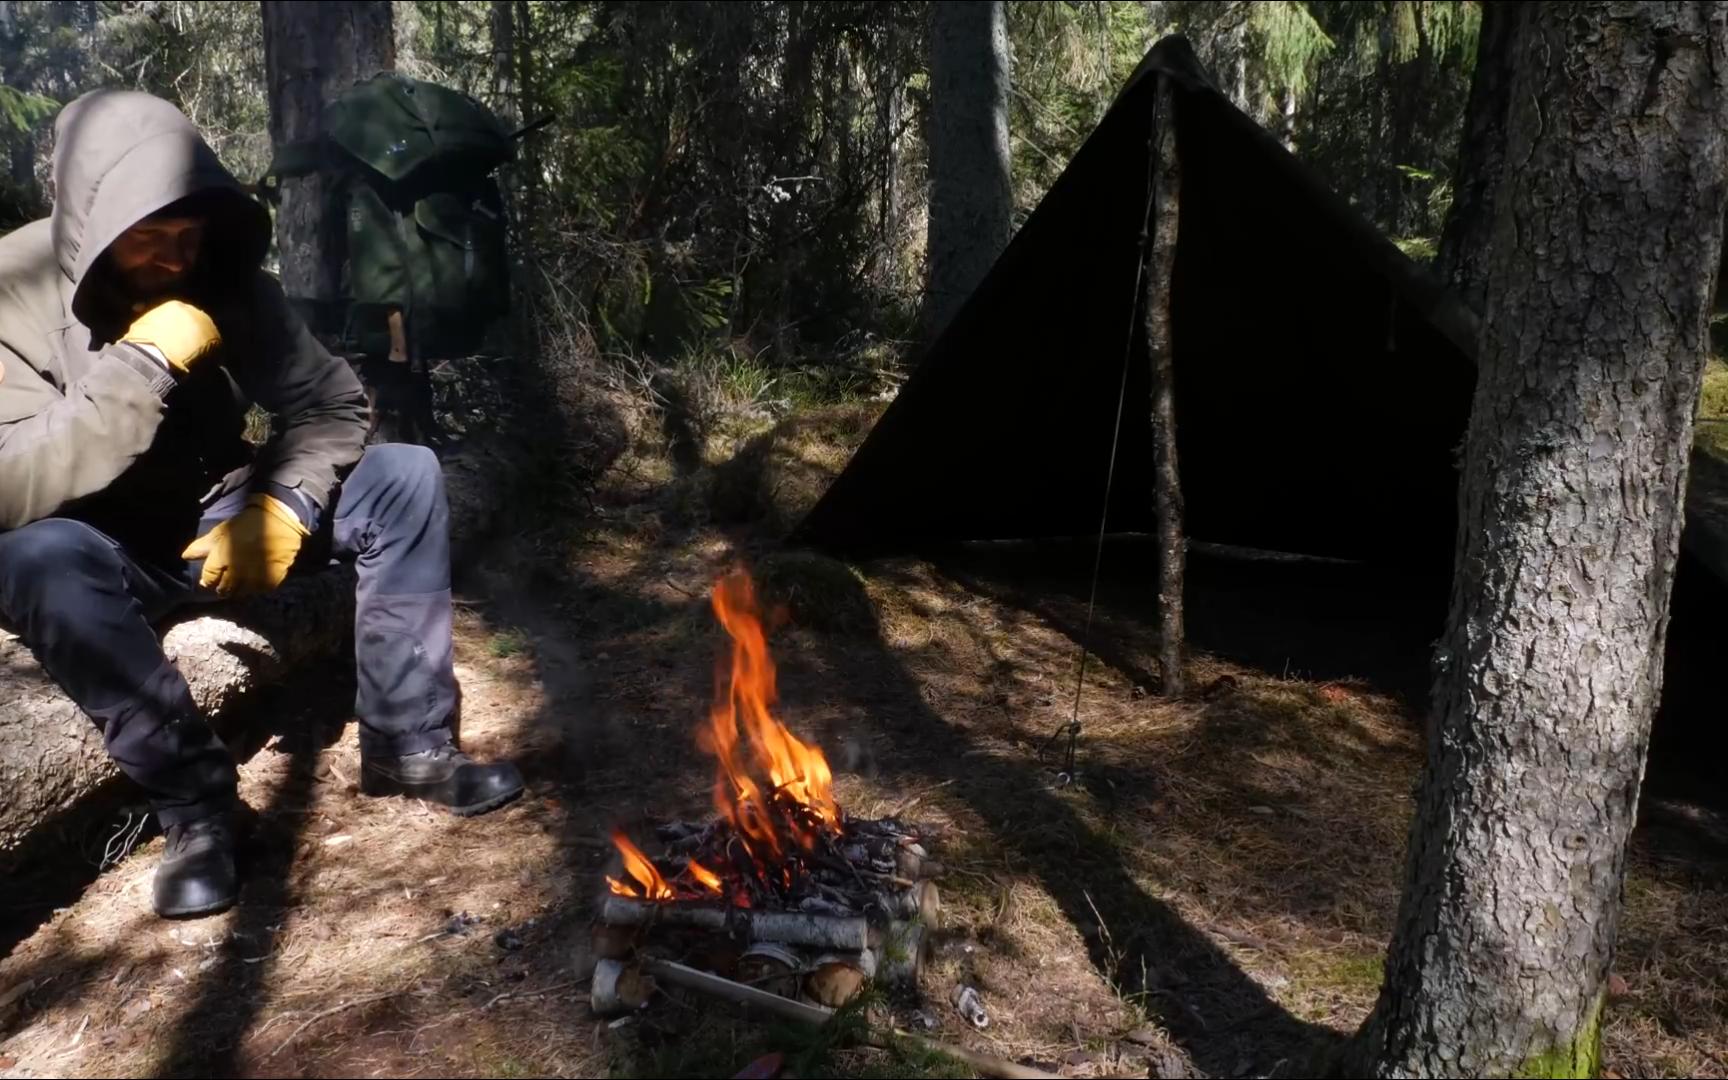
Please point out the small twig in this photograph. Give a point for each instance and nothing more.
(332, 1011)
(511, 995)
(682, 589)
(916, 799)
(1237, 937)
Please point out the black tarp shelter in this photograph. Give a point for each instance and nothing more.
(1323, 379)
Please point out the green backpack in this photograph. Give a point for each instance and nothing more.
(410, 164)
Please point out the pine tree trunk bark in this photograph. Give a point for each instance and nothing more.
(312, 53)
(971, 191)
(1166, 479)
(504, 96)
(1481, 156)
(528, 154)
(1600, 269)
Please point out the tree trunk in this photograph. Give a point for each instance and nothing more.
(504, 97)
(526, 90)
(971, 191)
(1166, 480)
(51, 756)
(1461, 261)
(312, 53)
(1601, 264)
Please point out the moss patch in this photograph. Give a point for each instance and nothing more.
(1581, 1058)
(1712, 432)
(817, 592)
(778, 476)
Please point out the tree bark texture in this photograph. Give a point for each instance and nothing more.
(504, 96)
(1600, 271)
(313, 51)
(1160, 353)
(971, 190)
(51, 756)
(527, 88)
(1461, 261)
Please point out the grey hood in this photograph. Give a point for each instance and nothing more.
(122, 155)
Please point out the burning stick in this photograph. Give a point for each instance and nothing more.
(788, 927)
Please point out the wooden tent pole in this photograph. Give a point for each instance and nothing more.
(1167, 483)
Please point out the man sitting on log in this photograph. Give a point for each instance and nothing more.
(136, 326)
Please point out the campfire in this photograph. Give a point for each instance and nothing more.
(782, 889)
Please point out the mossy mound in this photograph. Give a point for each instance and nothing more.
(778, 476)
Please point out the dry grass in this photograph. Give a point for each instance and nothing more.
(1712, 432)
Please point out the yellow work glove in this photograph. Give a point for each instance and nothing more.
(251, 551)
(183, 334)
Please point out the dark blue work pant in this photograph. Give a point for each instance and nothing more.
(85, 606)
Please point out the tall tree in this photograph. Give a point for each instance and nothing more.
(1166, 210)
(1601, 264)
(1481, 155)
(971, 186)
(504, 96)
(312, 53)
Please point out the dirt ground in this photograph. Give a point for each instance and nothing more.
(1211, 897)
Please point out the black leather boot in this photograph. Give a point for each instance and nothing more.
(196, 876)
(445, 776)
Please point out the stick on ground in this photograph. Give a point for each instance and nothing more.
(737, 993)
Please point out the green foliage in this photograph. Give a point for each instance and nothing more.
(508, 643)
(23, 110)
(206, 57)
(1069, 62)
(1266, 56)
(1383, 124)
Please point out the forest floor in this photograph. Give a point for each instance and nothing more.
(1213, 898)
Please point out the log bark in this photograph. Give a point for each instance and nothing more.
(1600, 270)
(788, 927)
(1160, 352)
(51, 756)
(312, 53)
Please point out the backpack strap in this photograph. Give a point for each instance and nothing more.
(292, 160)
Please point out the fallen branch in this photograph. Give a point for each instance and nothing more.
(725, 989)
(370, 999)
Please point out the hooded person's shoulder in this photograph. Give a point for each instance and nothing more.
(30, 277)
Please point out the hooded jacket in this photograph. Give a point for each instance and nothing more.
(98, 430)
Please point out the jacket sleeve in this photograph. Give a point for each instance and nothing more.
(316, 397)
(59, 446)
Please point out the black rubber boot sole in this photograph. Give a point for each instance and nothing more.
(379, 786)
(216, 908)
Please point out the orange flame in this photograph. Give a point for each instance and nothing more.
(636, 864)
(707, 877)
(743, 714)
